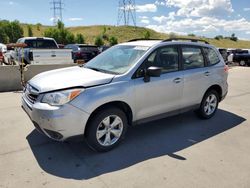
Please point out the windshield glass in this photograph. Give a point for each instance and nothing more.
(117, 60)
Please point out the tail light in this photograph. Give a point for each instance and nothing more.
(1, 55)
(226, 68)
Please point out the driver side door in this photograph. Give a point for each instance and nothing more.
(161, 94)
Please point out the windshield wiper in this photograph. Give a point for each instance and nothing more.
(101, 70)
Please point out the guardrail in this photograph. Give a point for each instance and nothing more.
(10, 76)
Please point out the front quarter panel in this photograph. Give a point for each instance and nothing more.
(94, 97)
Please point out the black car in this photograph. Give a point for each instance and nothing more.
(83, 52)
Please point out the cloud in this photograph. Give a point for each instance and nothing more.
(161, 19)
(146, 8)
(199, 8)
(75, 19)
(143, 17)
(246, 9)
(11, 3)
(145, 21)
(202, 25)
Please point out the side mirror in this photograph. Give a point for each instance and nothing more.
(152, 72)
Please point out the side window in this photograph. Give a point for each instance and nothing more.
(192, 58)
(166, 58)
(212, 56)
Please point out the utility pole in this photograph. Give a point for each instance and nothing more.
(126, 12)
(57, 7)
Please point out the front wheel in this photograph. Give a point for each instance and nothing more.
(209, 105)
(106, 129)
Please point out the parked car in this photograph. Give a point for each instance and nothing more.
(83, 52)
(224, 54)
(3, 50)
(103, 48)
(130, 83)
(42, 51)
(240, 56)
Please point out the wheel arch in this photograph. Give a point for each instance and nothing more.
(118, 104)
(217, 88)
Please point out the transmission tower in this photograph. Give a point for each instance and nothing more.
(57, 7)
(126, 12)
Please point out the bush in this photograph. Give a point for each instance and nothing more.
(234, 38)
(113, 41)
(60, 34)
(218, 37)
(99, 41)
(80, 39)
(30, 32)
(10, 31)
(172, 35)
(146, 35)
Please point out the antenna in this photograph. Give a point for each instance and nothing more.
(57, 7)
(126, 12)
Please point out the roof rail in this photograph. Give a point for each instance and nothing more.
(133, 40)
(188, 39)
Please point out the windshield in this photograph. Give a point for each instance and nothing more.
(117, 60)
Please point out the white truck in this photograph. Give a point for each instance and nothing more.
(42, 50)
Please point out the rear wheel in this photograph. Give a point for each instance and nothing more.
(209, 105)
(106, 129)
(242, 63)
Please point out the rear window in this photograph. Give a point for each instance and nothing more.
(88, 48)
(34, 43)
(212, 56)
(192, 58)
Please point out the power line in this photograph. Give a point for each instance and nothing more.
(126, 12)
(57, 7)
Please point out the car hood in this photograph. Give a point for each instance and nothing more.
(69, 78)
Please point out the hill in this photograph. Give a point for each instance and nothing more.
(125, 33)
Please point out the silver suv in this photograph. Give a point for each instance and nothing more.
(130, 83)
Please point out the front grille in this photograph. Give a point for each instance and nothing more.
(31, 93)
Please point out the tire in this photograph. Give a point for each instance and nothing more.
(204, 112)
(242, 63)
(101, 124)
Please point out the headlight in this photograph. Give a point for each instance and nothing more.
(61, 97)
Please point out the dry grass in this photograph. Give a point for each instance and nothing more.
(125, 33)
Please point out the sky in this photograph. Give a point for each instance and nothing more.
(200, 17)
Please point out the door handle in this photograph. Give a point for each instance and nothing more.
(177, 80)
(207, 73)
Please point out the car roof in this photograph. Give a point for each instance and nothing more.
(146, 43)
(33, 38)
(151, 43)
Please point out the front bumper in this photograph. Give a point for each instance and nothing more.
(57, 123)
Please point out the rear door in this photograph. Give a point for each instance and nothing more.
(161, 94)
(196, 75)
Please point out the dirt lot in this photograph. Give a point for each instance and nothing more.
(180, 151)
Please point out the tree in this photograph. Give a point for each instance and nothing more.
(146, 35)
(70, 38)
(38, 26)
(99, 41)
(30, 32)
(3, 37)
(172, 35)
(233, 37)
(218, 37)
(60, 34)
(13, 30)
(113, 41)
(79, 38)
(191, 35)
